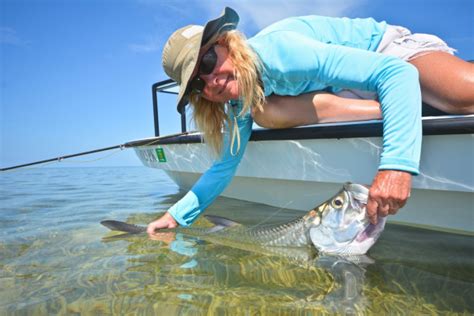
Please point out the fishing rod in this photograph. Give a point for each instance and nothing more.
(152, 141)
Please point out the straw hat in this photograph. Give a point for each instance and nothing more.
(181, 51)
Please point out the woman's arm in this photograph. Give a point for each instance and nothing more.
(297, 63)
(212, 182)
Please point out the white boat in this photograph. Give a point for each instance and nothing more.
(300, 167)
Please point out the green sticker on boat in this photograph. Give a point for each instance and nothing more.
(160, 153)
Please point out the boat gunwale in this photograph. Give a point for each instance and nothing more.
(441, 125)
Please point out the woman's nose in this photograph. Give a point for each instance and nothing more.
(209, 79)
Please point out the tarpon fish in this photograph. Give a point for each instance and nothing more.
(339, 226)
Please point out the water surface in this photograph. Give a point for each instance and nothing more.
(55, 257)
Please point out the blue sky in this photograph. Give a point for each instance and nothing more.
(76, 75)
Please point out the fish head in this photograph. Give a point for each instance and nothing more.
(343, 226)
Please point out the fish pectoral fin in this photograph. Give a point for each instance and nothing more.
(220, 221)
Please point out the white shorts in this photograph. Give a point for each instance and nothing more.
(399, 42)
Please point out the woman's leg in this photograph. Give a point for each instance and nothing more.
(312, 108)
(447, 82)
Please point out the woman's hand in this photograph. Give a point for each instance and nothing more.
(165, 221)
(389, 192)
(166, 237)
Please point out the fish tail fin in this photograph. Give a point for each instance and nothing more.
(221, 221)
(123, 227)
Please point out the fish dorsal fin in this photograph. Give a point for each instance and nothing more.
(220, 221)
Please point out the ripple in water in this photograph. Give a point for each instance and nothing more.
(55, 257)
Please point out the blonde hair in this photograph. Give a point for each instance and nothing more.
(211, 116)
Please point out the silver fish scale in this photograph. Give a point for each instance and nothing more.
(290, 234)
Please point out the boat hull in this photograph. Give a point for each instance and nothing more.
(299, 174)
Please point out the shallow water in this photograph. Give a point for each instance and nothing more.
(55, 257)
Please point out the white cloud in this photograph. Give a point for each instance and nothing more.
(148, 47)
(264, 12)
(253, 13)
(167, 14)
(9, 36)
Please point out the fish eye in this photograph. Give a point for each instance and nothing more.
(337, 202)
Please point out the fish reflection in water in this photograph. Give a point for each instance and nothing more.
(325, 282)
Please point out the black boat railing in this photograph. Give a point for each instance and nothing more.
(164, 87)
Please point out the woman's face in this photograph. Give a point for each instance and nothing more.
(220, 84)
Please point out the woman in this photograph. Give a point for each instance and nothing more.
(282, 78)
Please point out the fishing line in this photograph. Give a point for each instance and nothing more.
(269, 216)
(40, 164)
(93, 160)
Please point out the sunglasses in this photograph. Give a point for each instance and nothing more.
(206, 66)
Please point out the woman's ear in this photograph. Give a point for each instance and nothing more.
(220, 41)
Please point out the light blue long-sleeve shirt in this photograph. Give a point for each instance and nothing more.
(312, 53)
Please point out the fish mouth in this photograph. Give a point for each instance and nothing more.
(372, 231)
